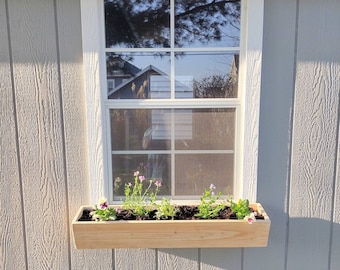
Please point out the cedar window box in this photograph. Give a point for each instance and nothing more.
(212, 233)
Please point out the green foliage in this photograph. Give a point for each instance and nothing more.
(165, 210)
(139, 200)
(209, 208)
(102, 212)
(241, 208)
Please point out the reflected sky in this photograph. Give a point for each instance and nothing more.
(146, 24)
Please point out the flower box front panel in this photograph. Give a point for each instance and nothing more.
(171, 233)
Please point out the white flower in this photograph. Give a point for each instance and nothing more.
(102, 203)
(95, 217)
(251, 218)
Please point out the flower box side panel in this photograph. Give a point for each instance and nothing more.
(170, 234)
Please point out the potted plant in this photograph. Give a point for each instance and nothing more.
(144, 222)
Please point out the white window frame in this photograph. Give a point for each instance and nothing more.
(94, 65)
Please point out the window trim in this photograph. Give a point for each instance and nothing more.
(92, 16)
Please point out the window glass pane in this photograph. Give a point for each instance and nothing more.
(205, 129)
(195, 173)
(140, 129)
(150, 129)
(137, 24)
(207, 23)
(138, 75)
(185, 149)
(151, 166)
(206, 75)
(203, 150)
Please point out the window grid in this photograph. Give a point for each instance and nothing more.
(172, 103)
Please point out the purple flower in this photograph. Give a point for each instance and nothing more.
(136, 173)
(103, 206)
(212, 186)
(141, 178)
(158, 183)
(102, 203)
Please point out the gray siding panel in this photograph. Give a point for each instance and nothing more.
(74, 112)
(218, 259)
(335, 233)
(12, 236)
(177, 259)
(139, 259)
(37, 91)
(43, 162)
(277, 95)
(315, 131)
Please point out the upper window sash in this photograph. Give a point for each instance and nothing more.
(94, 63)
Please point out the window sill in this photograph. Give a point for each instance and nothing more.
(171, 233)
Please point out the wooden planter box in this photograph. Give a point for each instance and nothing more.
(170, 233)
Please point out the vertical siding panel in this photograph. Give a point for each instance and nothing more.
(12, 241)
(274, 136)
(74, 112)
(178, 259)
(335, 247)
(135, 259)
(335, 241)
(221, 259)
(314, 135)
(35, 67)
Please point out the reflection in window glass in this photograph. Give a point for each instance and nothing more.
(207, 23)
(146, 24)
(195, 173)
(205, 129)
(206, 75)
(201, 145)
(137, 24)
(152, 166)
(197, 75)
(154, 58)
(138, 75)
(140, 129)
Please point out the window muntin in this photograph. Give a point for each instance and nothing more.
(147, 24)
(198, 143)
(196, 59)
(146, 75)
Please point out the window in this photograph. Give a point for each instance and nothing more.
(171, 87)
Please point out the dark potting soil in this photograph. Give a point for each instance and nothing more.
(184, 212)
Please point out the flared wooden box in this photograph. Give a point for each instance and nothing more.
(171, 233)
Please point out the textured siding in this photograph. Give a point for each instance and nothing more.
(315, 136)
(74, 115)
(275, 125)
(301, 85)
(35, 72)
(43, 162)
(12, 235)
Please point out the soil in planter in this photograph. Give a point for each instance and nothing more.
(184, 212)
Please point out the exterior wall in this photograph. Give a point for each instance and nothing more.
(43, 162)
